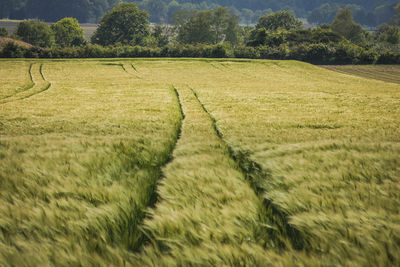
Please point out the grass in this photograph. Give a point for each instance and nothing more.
(328, 145)
(255, 163)
(79, 163)
(207, 213)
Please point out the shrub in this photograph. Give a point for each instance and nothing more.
(68, 33)
(12, 50)
(36, 33)
(3, 32)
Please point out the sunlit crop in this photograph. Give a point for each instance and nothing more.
(197, 162)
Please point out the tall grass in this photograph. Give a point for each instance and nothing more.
(277, 163)
(15, 77)
(329, 146)
(207, 213)
(79, 164)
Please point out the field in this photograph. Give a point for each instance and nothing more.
(197, 162)
(387, 73)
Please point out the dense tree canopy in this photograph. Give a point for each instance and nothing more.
(388, 33)
(67, 32)
(366, 12)
(282, 20)
(3, 32)
(344, 25)
(208, 26)
(125, 24)
(36, 33)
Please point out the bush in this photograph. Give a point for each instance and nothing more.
(246, 52)
(343, 53)
(36, 33)
(319, 53)
(3, 32)
(389, 57)
(12, 50)
(68, 33)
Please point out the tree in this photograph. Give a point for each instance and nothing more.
(233, 30)
(281, 20)
(159, 36)
(3, 32)
(388, 33)
(157, 10)
(383, 14)
(172, 8)
(247, 16)
(207, 26)
(125, 23)
(220, 23)
(324, 14)
(344, 25)
(36, 33)
(67, 32)
(197, 29)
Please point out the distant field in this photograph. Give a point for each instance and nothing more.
(390, 73)
(136, 162)
(11, 26)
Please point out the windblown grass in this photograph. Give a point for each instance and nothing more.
(15, 77)
(207, 213)
(79, 164)
(328, 145)
(277, 163)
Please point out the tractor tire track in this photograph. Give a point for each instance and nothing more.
(131, 70)
(127, 68)
(281, 231)
(133, 223)
(40, 84)
(25, 87)
(208, 167)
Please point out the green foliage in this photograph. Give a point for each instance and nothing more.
(369, 13)
(197, 29)
(35, 32)
(324, 14)
(397, 9)
(207, 27)
(233, 31)
(124, 24)
(261, 36)
(67, 32)
(12, 50)
(344, 25)
(158, 37)
(388, 33)
(281, 20)
(3, 32)
(157, 10)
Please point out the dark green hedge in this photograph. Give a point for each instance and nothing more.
(319, 53)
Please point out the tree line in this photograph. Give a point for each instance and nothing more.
(366, 12)
(125, 31)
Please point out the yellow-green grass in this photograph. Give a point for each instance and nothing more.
(79, 163)
(207, 214)
(15, 77)
(387, 73)
(278, 163)
(328, 146)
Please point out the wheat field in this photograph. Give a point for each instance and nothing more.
(191, 162)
